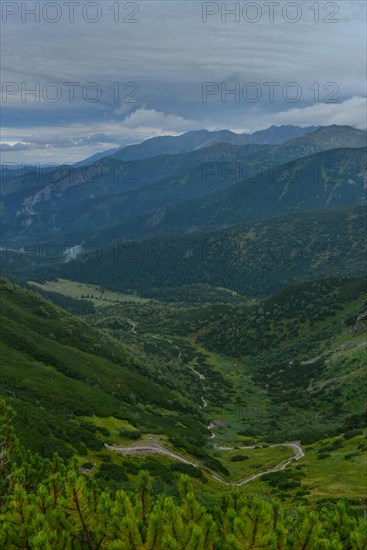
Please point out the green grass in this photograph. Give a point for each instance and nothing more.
(55, 368)
(242, 402)
(75, 388)
(259, 459)
(336, 476)
(94, 293)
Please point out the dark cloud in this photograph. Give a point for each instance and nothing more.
(134, 80)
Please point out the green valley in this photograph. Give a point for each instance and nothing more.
(184, 365)
(313, 390)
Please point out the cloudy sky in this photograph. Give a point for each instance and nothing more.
(111, 73)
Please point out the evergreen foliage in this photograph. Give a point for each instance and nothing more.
(47, 505)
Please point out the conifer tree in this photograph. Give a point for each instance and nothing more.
(48, 505)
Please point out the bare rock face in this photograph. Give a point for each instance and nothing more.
(360, 326)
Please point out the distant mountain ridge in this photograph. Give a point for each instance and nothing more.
(255, 258)
(77, 205)
(200, 139)
(131, 200)
(326, 179)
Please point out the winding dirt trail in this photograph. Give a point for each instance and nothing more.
(155, 448)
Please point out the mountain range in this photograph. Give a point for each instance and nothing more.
(73, 203)
(201, 139)
(205, 313)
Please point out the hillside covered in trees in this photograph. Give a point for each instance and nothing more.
(48, 505)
